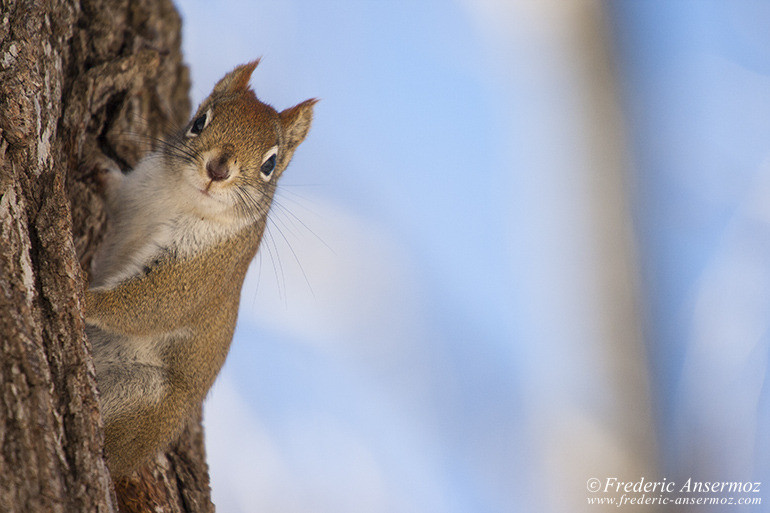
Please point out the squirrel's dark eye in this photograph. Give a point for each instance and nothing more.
(199, 124)
(268, 166)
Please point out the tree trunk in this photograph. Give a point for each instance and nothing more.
(80, 82)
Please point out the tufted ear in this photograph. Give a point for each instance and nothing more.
(237, 80)
(296, 123)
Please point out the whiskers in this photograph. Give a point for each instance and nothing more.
(252, 204)
(294, 220)
(282, 227)
(171, 144)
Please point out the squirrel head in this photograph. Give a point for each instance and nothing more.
(235, 148)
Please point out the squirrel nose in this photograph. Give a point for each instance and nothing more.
(217, 168)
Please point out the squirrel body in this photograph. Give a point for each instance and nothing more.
(185, 224)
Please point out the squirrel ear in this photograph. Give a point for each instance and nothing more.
(237, 80)
(296, 123)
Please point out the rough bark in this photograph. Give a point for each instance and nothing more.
(79, 81)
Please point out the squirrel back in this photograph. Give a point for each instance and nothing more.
(184, 226)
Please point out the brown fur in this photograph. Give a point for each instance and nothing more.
(185, 307)
(208, 308)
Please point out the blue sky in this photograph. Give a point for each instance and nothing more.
(488, 234)
(401, 179)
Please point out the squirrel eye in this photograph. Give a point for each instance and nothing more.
(267, 167)
(199, 124)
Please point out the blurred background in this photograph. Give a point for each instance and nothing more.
(526, 243)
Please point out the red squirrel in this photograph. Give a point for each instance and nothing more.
(185, 224)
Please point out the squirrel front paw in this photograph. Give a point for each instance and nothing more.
(107, 175)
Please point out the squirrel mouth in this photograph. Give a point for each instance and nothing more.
(206, 191)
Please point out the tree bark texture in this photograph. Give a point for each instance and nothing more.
(80, 82)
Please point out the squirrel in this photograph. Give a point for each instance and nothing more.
(186, 222)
